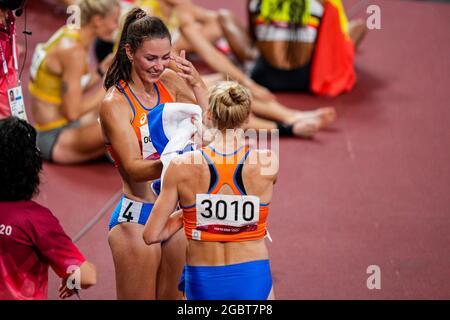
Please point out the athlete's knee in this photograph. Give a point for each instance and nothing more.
(62, 153)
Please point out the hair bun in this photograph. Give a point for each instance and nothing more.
(238, 95)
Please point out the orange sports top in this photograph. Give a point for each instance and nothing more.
(139, 122)
(220, 217)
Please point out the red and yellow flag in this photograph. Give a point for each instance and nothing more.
(332, 71)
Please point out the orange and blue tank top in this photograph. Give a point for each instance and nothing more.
(139, 121)
(220, 217)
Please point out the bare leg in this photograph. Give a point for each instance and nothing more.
(136, 264)
(76, 145)
(209, 20)
(237, 36)
(183, 44)
(357, 29)
(258, 123)
(90, 117)
(206, 22)
(302, 129)
(272, 110)
(323, 117)
(173, 259)
(271, 295)
(211, 79)
(276, 111)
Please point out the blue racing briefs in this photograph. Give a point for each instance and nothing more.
(130, 211)
(156, 186)
(182, 282)
(244, 281)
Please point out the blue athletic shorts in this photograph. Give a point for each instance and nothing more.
(244, 281)
(156, 186)
(130, 211)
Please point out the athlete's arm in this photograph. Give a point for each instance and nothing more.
(162, 224)
(187, 71)
(268, 164)
(115, 117)
(74, 103)
(95, 77)
(185, 82)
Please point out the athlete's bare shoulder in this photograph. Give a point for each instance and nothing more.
(188, 158)
(188, 163)
(114, 102)
(113, 97)
(262, 162)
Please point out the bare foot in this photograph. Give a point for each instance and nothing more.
(305, 129)
(323, 117)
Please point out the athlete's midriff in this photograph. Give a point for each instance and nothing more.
(137, 191)
(45, 113)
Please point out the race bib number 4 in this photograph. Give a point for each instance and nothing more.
(227, 214)
(130, 211)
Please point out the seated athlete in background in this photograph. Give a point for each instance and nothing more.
(31, 237)
(286, 34)
(137, 81)
(65, 116)
(224, 193)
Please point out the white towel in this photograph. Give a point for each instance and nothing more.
(171, 129)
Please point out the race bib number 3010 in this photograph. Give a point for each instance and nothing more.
(218, 213)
